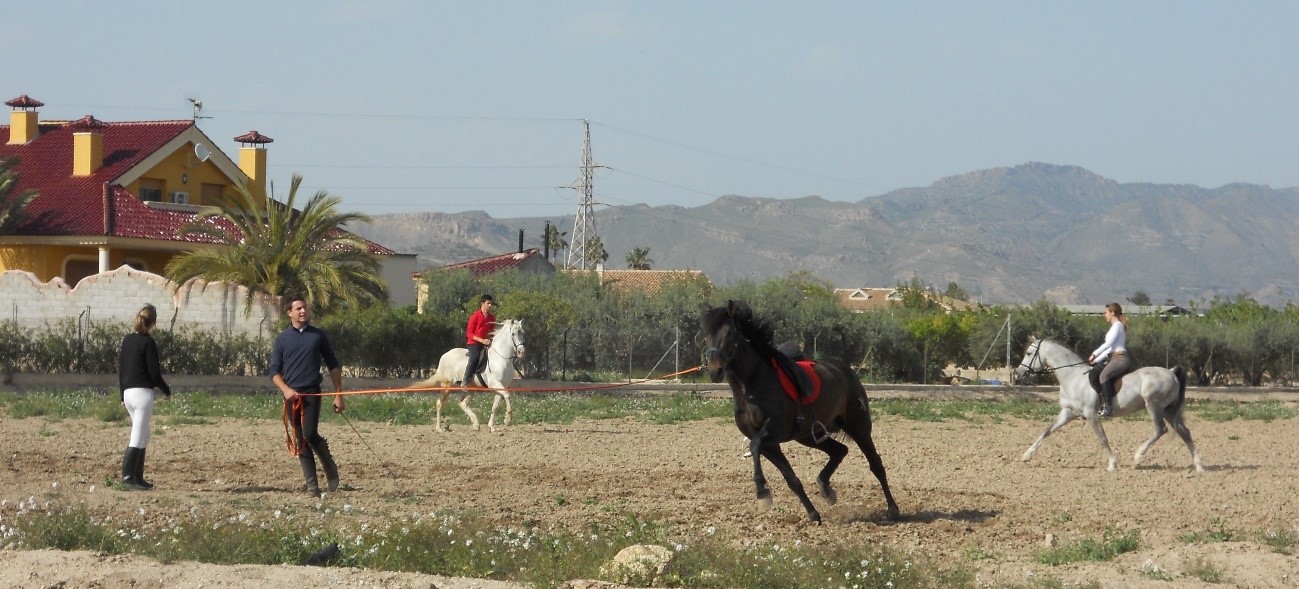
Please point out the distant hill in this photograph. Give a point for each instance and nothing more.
(1006, 235)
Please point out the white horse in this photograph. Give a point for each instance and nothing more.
(1160, 390)
(502, 357)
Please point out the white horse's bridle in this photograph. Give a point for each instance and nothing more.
(515, 347)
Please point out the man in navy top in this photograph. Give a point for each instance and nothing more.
(296, 358)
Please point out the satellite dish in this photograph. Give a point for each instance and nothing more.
(201, 152)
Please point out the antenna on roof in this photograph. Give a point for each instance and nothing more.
(198, 108)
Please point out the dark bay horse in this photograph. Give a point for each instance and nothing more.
(739, 347)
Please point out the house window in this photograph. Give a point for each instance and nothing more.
(77, 267)
(151, 189)
(211, 194)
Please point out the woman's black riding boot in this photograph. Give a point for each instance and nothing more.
(1107, 398)
(129, 461)
(139, 470)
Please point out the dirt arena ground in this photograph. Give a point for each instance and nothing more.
(961, 486)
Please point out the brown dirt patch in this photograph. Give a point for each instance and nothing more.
(961, 487)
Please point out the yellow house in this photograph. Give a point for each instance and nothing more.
(114, 194)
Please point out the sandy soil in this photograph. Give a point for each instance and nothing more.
(961, 487)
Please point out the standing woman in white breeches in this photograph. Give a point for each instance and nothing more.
(139, 373)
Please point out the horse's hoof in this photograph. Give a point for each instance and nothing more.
(827, 493)
(764, 503)
(894, 514)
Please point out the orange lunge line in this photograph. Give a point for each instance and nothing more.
(487, 389)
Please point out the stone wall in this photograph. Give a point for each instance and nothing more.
(117, 296)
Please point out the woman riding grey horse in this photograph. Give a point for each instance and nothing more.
(1111, 359)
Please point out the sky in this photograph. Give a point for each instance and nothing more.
(407, 105)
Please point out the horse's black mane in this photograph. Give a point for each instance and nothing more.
(757, 330)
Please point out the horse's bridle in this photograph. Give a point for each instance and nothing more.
(514, 350)
(733, 345)
(1037, 353)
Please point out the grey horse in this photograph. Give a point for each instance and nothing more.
(1160, 391)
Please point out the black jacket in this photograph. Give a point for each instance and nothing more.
(137, 364)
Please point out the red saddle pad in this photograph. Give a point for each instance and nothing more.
(791, 389)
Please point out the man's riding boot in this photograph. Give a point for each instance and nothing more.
(129, 461)
(1107, 398)
(309, 473)
(331, 468)
(139, 470)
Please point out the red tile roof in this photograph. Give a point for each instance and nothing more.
(24, 101)
(254, 138)
(94, 204)
(80, 205)
(485, 266)
(646, 281)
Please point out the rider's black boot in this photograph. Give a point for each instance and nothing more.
(1107, 398)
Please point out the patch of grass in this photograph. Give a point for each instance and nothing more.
(1204, 571)
(975, 410)
(975, 552)
(1281, 541)
(1217, 532)
(1063, 518)
(1221, 411)
(185, 420)
(402, 408)
(461, 544)
(660, 409)
(46, 432)
(1110, 545)
(1040, 582)
(109, 410)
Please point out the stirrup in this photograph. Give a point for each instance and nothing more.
(821, 435)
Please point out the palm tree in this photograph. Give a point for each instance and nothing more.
(638, 258)
(555, 240)
(595, 252)
(12, 206)
(273, 249)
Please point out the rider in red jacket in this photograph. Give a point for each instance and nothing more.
(478, 336)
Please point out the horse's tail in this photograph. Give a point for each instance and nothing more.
(1176, 407)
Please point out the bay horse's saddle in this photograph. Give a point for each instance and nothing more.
(797, 373)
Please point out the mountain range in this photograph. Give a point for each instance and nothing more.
(1005, 235)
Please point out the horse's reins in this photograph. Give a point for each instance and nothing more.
(1037, 353)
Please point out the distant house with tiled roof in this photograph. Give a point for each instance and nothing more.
(527, 261)
(859, 300)
(647, 281)
(115, 194)
(868, 299)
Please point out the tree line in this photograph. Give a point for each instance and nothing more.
(577, 328)
(574, 322)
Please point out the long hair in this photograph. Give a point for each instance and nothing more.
(146, 319)
(1117, 309)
